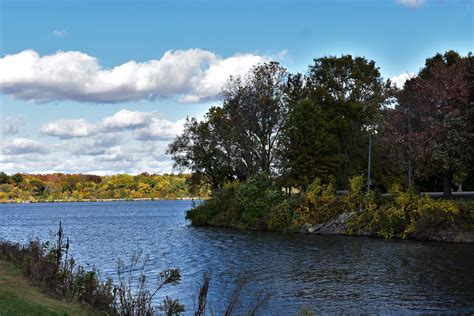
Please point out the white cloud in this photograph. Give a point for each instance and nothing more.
(160, 129)
(19, 146)
(411, 3)
(193, 75)
(58, 33)
(399, 81)
(146, 126)
(124, 142)
(125, 119)
(96, 145)
(126, 158)
(65, 128)
(100, 154)
(209, 84)
(11, 125)
(281, 55)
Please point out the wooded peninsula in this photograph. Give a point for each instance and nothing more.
(281, 147)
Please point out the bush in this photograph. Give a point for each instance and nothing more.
(220, 210)
(280, 217)
(319, 205)
(133, 294)
(408, 215)
(355, 198)
(258, 197)
(248, 205)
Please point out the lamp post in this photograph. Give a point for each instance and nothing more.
(410, 169)
(369, 180)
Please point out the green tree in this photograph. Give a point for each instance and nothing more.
(17, 178)
(201, 149)
(308, 149)
(240, 138)
(350, 93)
(256, 107)
(4, 178)
(37, 188)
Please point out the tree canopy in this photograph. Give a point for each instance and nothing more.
(298, 127)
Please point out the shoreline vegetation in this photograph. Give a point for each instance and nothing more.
(258, 204)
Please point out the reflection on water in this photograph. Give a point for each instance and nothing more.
(327, 273)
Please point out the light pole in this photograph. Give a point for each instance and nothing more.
(410, 170)
(369, 180)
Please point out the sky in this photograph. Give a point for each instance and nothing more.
(103, 87)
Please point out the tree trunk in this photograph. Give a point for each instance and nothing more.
(447, 185)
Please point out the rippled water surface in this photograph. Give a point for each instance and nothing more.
(330, 274)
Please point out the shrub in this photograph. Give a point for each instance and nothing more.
(48, 266)
(250, 204)
(133, 294)
(408, 214)
(279, 218)
(354, 199)
(319, 205)
(257, 197)
(220, 209)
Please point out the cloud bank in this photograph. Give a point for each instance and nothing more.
(20, 146)
(123, 142)
(145, 126)
(193, 75)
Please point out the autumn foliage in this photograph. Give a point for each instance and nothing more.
(77, 187)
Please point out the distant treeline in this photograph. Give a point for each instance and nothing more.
(77, 187)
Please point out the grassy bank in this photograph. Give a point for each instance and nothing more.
(260, 204)
(19, 297)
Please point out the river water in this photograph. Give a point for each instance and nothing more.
(329, 274)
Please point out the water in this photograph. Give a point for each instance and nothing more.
(330, 274)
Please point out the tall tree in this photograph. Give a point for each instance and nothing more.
(350, 93)
(433, 124)
(240, 138)
(257, 106)
(308, 149)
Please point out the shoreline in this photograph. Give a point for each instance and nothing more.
(306, 230)
(187, 198)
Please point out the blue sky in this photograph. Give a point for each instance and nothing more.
(67, 82)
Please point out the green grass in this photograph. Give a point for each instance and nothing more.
(18, 297)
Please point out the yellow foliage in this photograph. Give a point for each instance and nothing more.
(321, 203)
